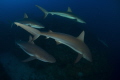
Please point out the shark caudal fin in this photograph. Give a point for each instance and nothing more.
(43, 10)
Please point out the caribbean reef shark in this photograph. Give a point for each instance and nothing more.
(77, 44)
(35, 51)
(67, 14)
(30, 22)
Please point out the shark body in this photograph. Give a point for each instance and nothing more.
(67, 14)
(77, 44)
(35, 51)
(30, 22)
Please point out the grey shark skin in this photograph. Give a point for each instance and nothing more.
(35, 52)
(77, 44)
(67, 14)
(30, 22)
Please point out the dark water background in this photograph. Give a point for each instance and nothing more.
(102, 21)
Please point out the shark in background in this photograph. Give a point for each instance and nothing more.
(67, 14)
(77, 44)
(103, 42)
(35, 51)
(30, 22)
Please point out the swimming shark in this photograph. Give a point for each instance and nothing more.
(30, 22)
(103, 42)
(77, 44)
(67, 14)
(35, 51)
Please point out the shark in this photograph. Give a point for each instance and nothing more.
(35, 51)
(103, 42)
(77, 44)
(67, 14)
(30, 22)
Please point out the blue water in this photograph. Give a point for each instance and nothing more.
(102, 19)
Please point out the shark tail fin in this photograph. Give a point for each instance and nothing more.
(43, 10)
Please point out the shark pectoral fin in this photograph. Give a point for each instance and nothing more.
(78, 58)
(47, 37)
(25, 15)
(29, 59)
(31, 40)
(69, 9)
(81, 36)
(35, 37)
(45, 15)
(58, 42)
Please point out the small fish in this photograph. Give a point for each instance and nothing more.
(67, 14)
(77, 44)
(35, 51)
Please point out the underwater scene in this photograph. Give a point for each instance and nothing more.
(59, 39)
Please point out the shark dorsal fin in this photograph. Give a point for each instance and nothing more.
(50, 30)
(25, 15)
(31, 40)
(69, 9)
(81, 36)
